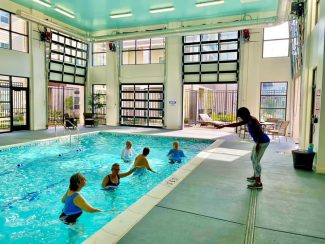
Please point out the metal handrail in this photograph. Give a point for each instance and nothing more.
(74, 127)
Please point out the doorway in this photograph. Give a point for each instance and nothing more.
(14, 103)
(65, 100)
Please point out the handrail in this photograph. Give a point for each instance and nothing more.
(74, 127)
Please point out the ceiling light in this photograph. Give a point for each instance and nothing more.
(121, 15)
(64, 13)
(43, 3)
(248, 1)
(160, 10)
(209, 3)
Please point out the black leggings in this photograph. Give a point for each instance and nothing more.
(69, 219)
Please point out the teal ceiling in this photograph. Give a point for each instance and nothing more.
(94, 15)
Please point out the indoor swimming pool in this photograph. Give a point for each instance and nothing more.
(36, 175)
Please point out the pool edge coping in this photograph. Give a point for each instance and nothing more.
(118, 227)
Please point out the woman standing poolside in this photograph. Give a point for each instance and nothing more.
(74, 203)
(113, 180)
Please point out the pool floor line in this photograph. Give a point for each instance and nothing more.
(202, 215)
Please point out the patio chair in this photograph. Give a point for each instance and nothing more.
(205, 120)
(89, 119)
(281, 130)
(70, 122)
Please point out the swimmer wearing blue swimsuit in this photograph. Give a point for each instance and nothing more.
(175, 155)
(74, 203)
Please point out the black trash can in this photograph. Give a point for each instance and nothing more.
(302, 159)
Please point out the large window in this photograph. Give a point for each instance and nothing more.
(99, 53)
(143, 51)
(273, 100)
(211, 58)
(276, 41)
(13, 32)
(68, 59)
(142, 105)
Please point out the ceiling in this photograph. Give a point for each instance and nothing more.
(94, 15)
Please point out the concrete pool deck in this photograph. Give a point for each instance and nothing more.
(211, 204)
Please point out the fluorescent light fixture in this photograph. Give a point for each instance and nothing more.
(121, 15)
(209, 3)
(248, 1)
(42, 3)
(64, 13)
(160, 10)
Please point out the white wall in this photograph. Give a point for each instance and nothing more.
(254, 69)
(314, 51)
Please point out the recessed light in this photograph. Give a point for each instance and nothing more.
(121, 15)
(42, 3)
(64, 13)
(160, 10)
(209, 3)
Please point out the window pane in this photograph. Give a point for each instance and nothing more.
(272, 113)
(128, 45)
(209, 57)
(228, 35)
(4, 39)
(143, 44)
(191, 49)
(189, 39)
(128, 57)
(19, 82)
(229, 46)
(277, 32)
(191, 58)
(274, 88)
(273, 101)
(210, 37)
(18, 25)
(209, 47)
(19, 42)
(157, 43)
(158, 56)
(100, 47)
(99, 59)
(4, 20)
(228, 56)
(143, 57)
(279, 48)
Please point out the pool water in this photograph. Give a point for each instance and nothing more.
(35, 177)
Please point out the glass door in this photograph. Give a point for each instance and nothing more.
(5, 114)
(20, 120)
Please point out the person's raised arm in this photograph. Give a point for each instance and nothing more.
(105, 180)
(84, 205)
(148, 167)
(236, 124)
(121, 175)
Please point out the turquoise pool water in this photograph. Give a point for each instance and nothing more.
(35, 177)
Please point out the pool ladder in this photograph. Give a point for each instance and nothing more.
(68, 129)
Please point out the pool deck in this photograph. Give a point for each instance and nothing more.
(211, 203)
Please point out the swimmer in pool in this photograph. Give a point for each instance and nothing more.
(141, 163)
(175, 155)
(128, 153)
(113, 180)
(74, 203)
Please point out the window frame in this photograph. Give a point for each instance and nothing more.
(136, 50)
(274, 95)
(94, 53)
(14, 32)
(278, 39)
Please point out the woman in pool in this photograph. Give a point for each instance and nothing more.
(113, 180)
(74, 203)
(128, 153)
(175, 155)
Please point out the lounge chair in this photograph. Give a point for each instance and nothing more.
(281, 130)
(70, 122)
(205, 120)
(89, 119)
